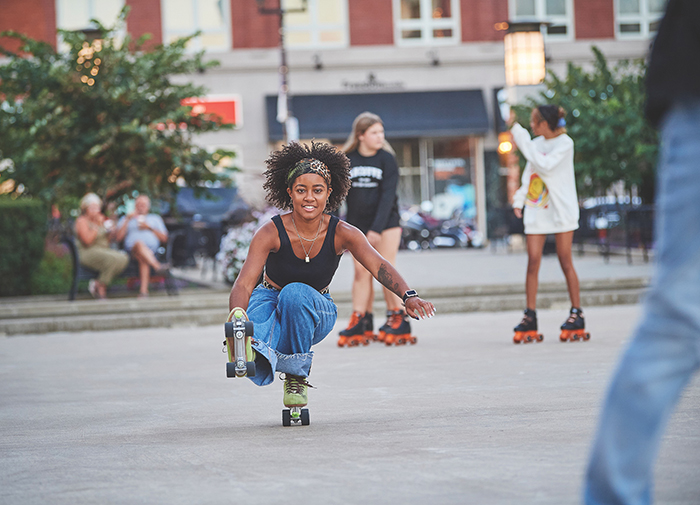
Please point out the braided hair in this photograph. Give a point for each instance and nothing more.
(294, 159)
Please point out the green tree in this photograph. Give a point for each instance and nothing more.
(605, 117)
(103, 115)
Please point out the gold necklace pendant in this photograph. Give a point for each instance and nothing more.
(301, 242)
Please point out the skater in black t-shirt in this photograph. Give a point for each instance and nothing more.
(372, 206)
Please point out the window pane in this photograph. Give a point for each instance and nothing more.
(73, 14)
(442, 34)
(629, 6)
(410, 9)
(442, 9)
(331, 36)
(524, 7)
(107, 11)
(556, 7)
(410, 34)
(630, 28)
(210, 14)
(657, 6)
(556, 30)
(297, 18)
(654, 26)
(179, 15)
(330, 12)
(213, 40)
(297, 38)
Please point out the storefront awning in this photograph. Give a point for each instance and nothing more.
(414, 114)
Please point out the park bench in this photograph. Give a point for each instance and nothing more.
(131, 272)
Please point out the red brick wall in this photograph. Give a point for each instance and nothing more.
(478, 18)
(594, 19)
(34, 18)
(251, 29)
(371, 22)
(145, 17)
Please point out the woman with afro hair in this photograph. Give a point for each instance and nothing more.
(296, 254)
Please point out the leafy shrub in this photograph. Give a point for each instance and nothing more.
(235, 244)
(54, 274)
(23, 226)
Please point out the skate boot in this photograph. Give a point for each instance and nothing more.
(239, 343)
(355, 333)
(369, 326)
(399, 330)
(381, 333)
(574, 328)
(526, 331)
(295, 397)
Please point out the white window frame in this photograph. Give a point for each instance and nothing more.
(644, 18)
(63, 5)
(540, 9)
(196, 43)
(427, 24)
(315, 28)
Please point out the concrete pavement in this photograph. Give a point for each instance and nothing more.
(464, 416)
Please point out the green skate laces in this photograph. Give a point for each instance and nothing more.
(293, 384)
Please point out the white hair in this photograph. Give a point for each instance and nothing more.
(89, 199)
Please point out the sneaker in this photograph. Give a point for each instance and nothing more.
(92, 288)
(295, 391)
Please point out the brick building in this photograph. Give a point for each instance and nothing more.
(430, 68)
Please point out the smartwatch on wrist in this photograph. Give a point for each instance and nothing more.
(411, 293)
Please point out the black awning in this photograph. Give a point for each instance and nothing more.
(411, 114)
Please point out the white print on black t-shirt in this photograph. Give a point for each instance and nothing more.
(366, 177)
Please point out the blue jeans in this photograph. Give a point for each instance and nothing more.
(286, 324)
(665, 349)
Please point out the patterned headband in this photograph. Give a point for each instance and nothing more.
(308, 166)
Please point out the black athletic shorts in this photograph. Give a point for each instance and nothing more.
(364, 224)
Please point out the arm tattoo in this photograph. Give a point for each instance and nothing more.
(386, 279)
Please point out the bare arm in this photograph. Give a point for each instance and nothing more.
(264, 241)
(350, 238)
(120, 232)
(86, 230)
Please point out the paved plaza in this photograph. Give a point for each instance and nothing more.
(463, 417)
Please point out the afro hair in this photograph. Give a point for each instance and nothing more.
(281, 162)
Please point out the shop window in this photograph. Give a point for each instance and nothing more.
(426, 22)
(182, 18)
(451, 164)
(559, 13)
(324, 24)
(638, 18)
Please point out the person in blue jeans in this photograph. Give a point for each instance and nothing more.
(296, 255)
(664, 352)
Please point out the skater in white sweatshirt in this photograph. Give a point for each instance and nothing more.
(548, 204)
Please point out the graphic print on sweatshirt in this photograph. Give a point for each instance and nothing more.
(537, 193)
(366, 176)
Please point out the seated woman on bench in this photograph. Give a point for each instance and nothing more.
(94, 246)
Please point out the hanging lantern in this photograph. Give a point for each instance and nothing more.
(524, 54)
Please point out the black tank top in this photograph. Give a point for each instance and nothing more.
(284, 267)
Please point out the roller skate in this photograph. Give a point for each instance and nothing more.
(381, 333)
(357, 331)
(295, 397)
(526, 331)
(239, 340)
(398, 331)
(574, 328)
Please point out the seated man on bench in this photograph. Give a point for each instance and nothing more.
(143, 233)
